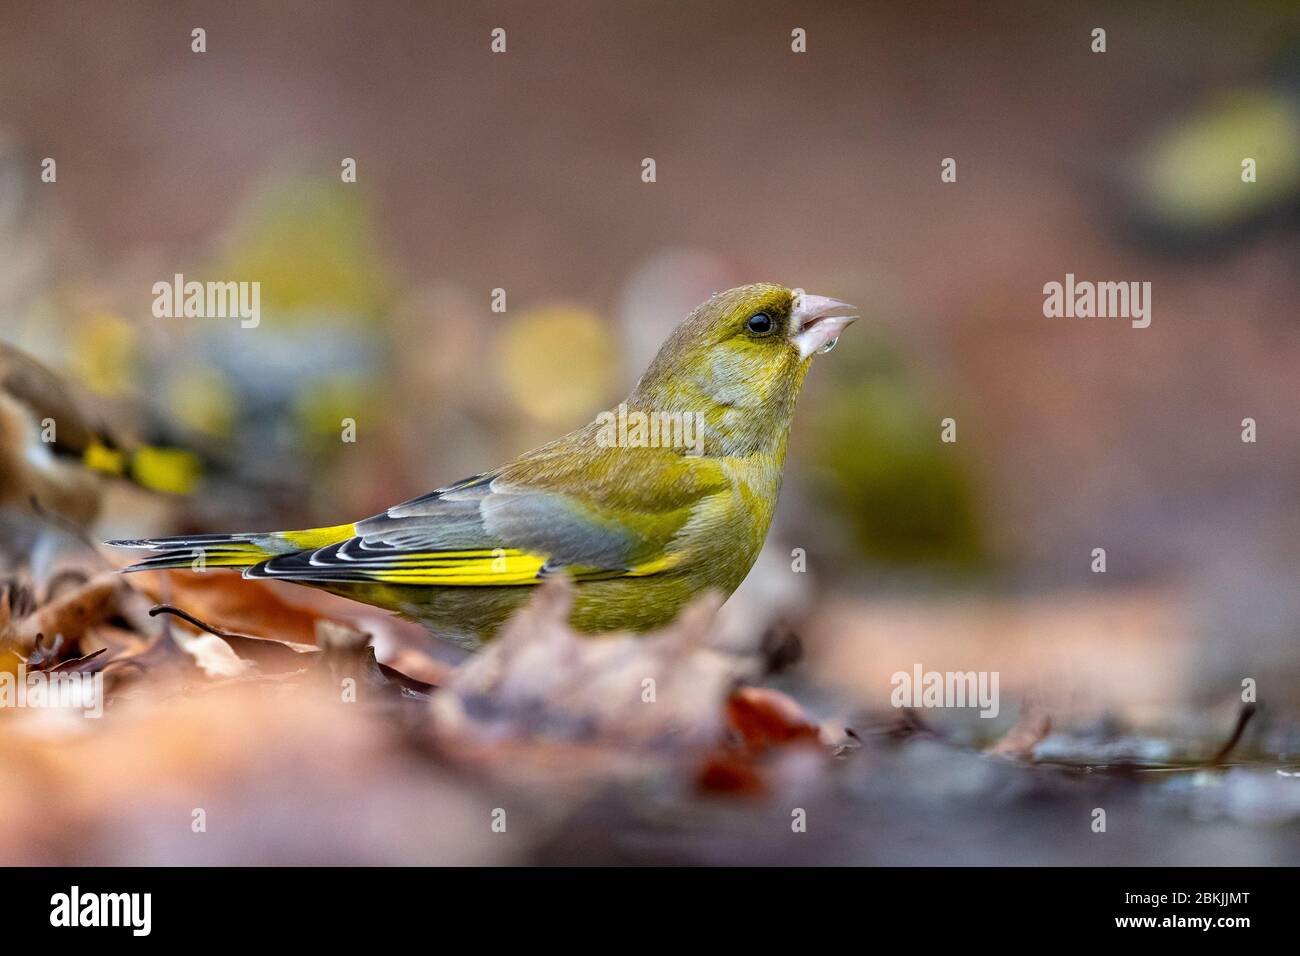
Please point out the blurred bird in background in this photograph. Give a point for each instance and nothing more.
(640, 528)
(1224, 169)
(55, 456)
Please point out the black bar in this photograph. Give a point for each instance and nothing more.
(300, 905)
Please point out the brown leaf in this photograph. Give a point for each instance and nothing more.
(1019, 742)
(540, 679)
(132, 655)
(417, 666)
(297, 768)
(340, 645)
(766, 718)
(236, 604)
(122, 643)
(45, 652)
(72, 613)
(762, 720)
(270, 655)
(83, 665)
(730, 773)
(214, 656)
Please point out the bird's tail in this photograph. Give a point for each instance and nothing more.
(200, 551)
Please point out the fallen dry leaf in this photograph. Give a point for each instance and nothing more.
(541, 679)
(761, 720)
(270, 655)
(45, 652)
(344, 650)
(88, 664)
(1019, 742)
(122, 643)
(237, 604)
(545, 703)
(70, 614)
(214, 656)
(417, 666)
(730, 773)
(279, 778)
(764, 718)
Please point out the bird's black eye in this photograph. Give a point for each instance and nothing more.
(760, 323)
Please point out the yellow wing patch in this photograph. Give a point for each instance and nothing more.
(318, 537)
(500, 567)
(664, 563)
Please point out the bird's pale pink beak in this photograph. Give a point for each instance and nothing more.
(816, 322)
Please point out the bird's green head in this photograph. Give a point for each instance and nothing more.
(740, 359)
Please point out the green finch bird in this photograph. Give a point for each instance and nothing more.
(665, 497)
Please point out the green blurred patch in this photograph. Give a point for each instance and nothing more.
(312, 244)
(557, 362)
(337, 403)
(907, 498)
(104, 353)
(1190, 173)
(201, 399)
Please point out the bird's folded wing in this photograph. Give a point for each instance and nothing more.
(503, 529)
